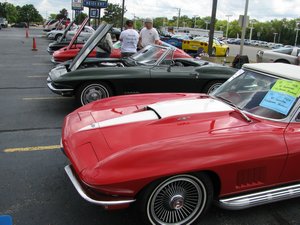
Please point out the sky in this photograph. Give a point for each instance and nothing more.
(261, 10)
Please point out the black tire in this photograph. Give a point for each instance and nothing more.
(184, 198)
(57, 37)
(92, 91)
(212, 86)
(282, 61)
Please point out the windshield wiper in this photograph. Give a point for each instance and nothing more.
(234, 107)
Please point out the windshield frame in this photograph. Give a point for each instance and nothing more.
(289, 117)
(168, 50)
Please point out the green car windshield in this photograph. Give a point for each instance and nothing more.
(261, 95)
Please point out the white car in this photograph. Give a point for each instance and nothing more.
(56, 34)
(283, 55)
(51, 25)
(84, 35)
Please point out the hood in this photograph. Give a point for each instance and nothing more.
(160, 121)
(121, 124)
(78, 32)
(66, 31)
(90, 45)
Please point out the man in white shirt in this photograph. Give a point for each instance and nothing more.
(148, 34)
(129, 40)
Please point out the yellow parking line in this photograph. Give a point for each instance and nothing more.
(45, 98)
(30, 149)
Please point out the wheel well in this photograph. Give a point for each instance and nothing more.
(282, 61)
(215, 180)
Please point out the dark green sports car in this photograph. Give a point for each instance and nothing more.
(153, 69)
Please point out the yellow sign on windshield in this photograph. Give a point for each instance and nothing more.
(289, 87)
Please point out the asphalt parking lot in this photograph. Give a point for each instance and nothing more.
(34, 188)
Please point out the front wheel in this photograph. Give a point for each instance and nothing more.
(177, 200)
(212, 86)
(58, 37)
(91, 92)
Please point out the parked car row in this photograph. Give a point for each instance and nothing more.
(265, 44)
(144, 114)
(288, 55)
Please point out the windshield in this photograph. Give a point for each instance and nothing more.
(150, 55)
(259, 94)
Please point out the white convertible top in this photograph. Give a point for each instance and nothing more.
(283, 70)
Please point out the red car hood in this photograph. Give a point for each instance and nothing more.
(101, 130)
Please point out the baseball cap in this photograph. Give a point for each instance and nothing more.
(148, 20)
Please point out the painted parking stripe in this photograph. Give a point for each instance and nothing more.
(30, 149)
(37, 76)
(42, 64)
(46, 98)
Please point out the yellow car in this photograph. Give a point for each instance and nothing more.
(219, 48)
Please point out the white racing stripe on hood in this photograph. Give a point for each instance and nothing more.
(165, 109)
(181, 107)
(131, 118)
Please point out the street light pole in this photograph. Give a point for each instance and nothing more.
(206, 24)
(244, 27)
(179, 9)
(297, 30)
(195, 21)
(275, 34)
(227, 28)
(251, 29)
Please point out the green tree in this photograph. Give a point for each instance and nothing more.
(63, 14)
(28, 13)
(52, 16)
(113, 14)
(80, 18)
(8, 11)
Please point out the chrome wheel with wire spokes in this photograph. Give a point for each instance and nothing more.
(177, 200)
(91, 92)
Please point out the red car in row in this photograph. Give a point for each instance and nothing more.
(174, 154)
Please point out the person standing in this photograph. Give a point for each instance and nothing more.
(129, 40)
(148, 34)
(105, 47)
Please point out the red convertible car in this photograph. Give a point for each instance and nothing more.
(68, 53)
(173, 155)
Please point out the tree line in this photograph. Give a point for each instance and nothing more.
(15, 14)
(284, 30)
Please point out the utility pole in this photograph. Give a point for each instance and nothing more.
(123, 10)
(179, 9)
(227, 28)
(244, 27)
(212, 26)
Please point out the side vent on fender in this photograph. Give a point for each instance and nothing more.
(250, 177)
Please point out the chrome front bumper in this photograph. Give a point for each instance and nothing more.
(114, 202)
(63, 92)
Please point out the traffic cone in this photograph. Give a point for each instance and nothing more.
(34, 45)
(27, 33)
